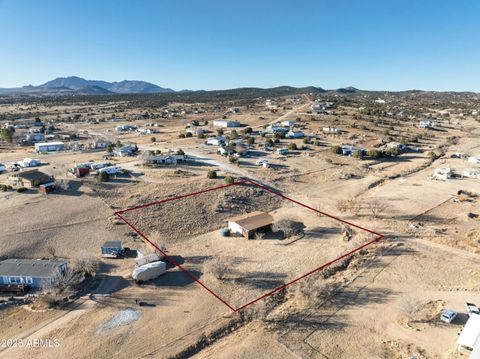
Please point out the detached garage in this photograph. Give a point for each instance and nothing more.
(248, 224)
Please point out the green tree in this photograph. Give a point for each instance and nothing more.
(180, 152)
(337, 150)
(373, 153)
(292, 146)
(7, 134)
(153, 139)
(229, 179)
(358, 154)
(211, 174)
(103, 176)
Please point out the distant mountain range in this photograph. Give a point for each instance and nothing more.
(79, 86)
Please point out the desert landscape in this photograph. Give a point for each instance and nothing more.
(359, 228)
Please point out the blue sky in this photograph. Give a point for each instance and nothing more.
(210, 44)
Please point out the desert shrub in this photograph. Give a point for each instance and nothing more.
(373, 153)
(392, 152)
(313, 291)
(182, 135)
(337, 150)
(234, 134)
(358, 154)
(188, 134)
(103, 177)
(180, 152)
(317, 143)
(229, 179)
(288, 227)
(232, 159)
(269, 142)
(153, 139)
(250, 140)
(219, 267)
(65, 281)
(212, 174)
(292, 146)
(376, 207)
(85, 263)
(159, 244)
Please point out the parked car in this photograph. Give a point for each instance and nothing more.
(448, 316)
(472, 309)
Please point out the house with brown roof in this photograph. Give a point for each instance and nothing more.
(248, 224)
(30, 179)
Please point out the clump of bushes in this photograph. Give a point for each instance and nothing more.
(212, 174)
(292, 146)
(103, 177)
(229, 179)
(5, 188)
(337, 150)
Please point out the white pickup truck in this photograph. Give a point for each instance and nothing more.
(472, 309)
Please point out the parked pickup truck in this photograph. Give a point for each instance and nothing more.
(472, 309)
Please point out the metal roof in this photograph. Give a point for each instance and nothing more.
(30, 267)
(252, 220)
(34, 175)
(112, 244)
(471, 332)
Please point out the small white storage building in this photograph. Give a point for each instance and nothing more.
(44, 147)
(226, 123)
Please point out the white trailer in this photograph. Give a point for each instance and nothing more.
(149, 271)
(149, 258)
(112, 170)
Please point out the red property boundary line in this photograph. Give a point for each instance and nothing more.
(378, 237)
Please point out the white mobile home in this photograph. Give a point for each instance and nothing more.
(471, 172)
(474, 159)
(442, 174)
(215, 141)
(226, 123)
(44, 147)
(331, 130)
(426, 124)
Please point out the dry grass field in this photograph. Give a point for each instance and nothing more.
(383, 302)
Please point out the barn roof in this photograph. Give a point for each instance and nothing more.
(252, 220)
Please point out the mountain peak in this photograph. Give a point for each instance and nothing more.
(77, 83)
